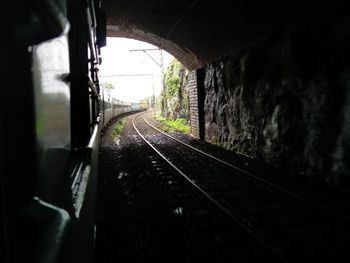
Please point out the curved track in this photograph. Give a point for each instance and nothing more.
(242, 172)
(282, 222)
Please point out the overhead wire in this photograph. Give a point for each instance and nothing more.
(181, 17)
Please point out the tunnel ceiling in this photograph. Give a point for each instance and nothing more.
(199, 31)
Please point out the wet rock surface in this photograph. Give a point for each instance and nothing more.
(285, 100)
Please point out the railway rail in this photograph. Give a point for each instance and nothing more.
(204, 213)
(288, 226)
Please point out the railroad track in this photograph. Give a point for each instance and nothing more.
(288, 226)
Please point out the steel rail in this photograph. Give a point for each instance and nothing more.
(210, 198)
(274, 186)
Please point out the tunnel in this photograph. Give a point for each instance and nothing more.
(271, 81)
(263, 174)
(268, 84)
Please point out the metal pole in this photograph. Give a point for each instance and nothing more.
(165, 103)
(154, 97)
(161, 65)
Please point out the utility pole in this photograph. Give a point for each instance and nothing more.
(161, 65)
(165, 101)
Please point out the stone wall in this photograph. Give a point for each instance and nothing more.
(286, 100)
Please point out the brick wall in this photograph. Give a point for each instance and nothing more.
(193, 96)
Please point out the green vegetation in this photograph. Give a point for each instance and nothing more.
(173, 78)
(118, 128)
(147, 102)
(215, 140)
(179, 124)
(108, 86)
(173, 85)
(176, 92)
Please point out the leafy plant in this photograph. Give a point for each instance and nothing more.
(119, 127)
(108, 86)
(173, 85)
(179, 124)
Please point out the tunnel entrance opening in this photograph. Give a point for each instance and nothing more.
(269, 81)
(266, 88)
(133, 70)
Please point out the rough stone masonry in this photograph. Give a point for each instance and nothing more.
(286, 100)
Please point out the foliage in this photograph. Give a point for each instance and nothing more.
(119, 127)
(108, 86)
(172, 78)
(176, 95)
(173, 85)
(179, 124)
(159, 102)
(147, 101)
(215, 140)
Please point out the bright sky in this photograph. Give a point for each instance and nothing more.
(118, 60)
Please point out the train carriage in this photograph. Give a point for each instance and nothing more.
(112, 106)
(48, 152)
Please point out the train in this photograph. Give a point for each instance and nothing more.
(53, 108)
(112, 106)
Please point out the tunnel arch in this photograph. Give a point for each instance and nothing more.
(244, 47)
(199, 32)
(196, 32)
(185, 56)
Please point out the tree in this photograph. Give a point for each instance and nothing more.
(108, 86)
